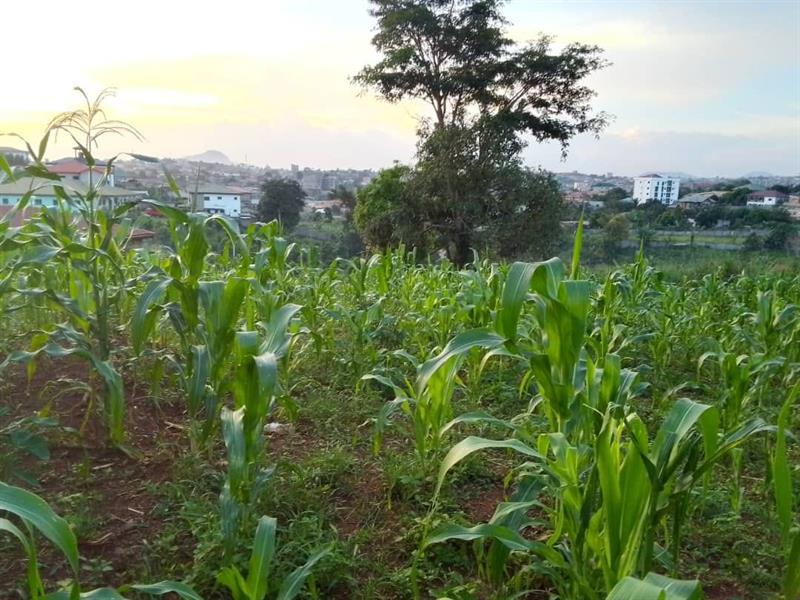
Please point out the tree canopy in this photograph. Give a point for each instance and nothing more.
(456, 56)
(281, 199)
(385, 215)
(487, 95)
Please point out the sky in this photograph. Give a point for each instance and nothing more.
(701, 87)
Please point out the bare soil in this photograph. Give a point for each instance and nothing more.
(111, 494)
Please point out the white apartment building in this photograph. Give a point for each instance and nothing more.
(655, 187)
(14, 155)
(218, 199)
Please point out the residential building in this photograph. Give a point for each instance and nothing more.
(334, 205)
(699, 199)
(792, 206)
(218, 199)
(601, 188)
(76, 169)
(655, 187)
(14, 156)
(768, 198)
(43, 193)
(329, 181)
(576, 197)
(141, 238)
(311, 183)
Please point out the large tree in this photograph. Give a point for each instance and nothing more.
(487, 95)
(386, 213)
(282, 200)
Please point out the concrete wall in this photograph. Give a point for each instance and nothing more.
(228, 204)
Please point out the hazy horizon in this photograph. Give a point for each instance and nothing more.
(707, 88)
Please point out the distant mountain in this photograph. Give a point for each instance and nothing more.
(758, 174)
(209, 156)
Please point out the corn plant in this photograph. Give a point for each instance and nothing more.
(744, 381)
(612, 498)
(777, 325)
(63, 340)
(364, 326)
(204, 314)
(610, 334)
(254, 386)
(23, 437)
(428, 402)
(618, 534)
(316, 294)
(785, 500)
(258, 584)
(479, 293)
(83, 238)
(35, 516)
(270, 254)
(554, 346)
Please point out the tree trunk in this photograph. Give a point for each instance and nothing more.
(459, 248)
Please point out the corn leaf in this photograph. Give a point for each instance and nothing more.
(576, 249)
(458, 346)
(791, 581)
(261, 557)
(33, 510)
(144, 315)
(472, 444)
(515, 291)
(167, 587)
(655, 587)
(781, 473)
(294, 583)
(105, 593)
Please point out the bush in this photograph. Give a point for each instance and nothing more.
(778, 237)
(616, 230)
(752, 243)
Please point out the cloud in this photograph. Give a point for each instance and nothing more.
(698, 153)
(281, 143)
(692, 84)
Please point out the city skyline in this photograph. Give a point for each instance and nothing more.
(708, 88)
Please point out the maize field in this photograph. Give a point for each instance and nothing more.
(235, 419)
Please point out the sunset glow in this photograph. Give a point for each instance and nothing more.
(270, 81)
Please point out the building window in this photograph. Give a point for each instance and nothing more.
(76, 177)
(219, 197)
(5, 200)
(37, 201)
(206, 198)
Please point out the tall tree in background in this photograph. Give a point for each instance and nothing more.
(486, 93)
(281, 199)
(350, 242)
(347, 198)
